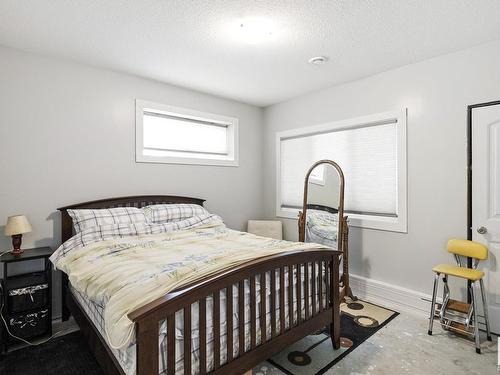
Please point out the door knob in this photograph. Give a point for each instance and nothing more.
(482, 230)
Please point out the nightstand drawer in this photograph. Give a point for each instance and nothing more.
(31, 324)
(28, 298)
(27, 279)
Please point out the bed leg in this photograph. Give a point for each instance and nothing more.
(335, 338)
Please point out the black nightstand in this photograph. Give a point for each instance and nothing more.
(27, 298)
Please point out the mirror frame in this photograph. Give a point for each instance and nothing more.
(302, 214)
(343, 230)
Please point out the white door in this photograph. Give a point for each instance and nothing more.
(486, 199)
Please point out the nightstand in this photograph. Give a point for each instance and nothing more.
(27, 298)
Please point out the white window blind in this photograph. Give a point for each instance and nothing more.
(168, 134)
(370, 155)
(176, 135)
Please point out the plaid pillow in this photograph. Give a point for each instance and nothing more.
(106, 232)
(164, 213)
(88, 218)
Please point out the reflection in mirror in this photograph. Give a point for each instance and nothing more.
(322, 206)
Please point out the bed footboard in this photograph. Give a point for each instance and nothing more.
(301, 288)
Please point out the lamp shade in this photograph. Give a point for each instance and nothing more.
(18, 224)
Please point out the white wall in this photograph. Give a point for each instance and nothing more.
(436, 93)
(67, 136)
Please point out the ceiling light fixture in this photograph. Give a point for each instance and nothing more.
(255, 30)
(318, 60)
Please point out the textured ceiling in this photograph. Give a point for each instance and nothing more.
(197, 43)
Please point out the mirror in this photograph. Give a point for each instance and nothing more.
(322, 206)
(322, 218)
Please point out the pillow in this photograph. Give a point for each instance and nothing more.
(88, 218)
(164, 213)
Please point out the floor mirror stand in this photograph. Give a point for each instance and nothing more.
(345, 287)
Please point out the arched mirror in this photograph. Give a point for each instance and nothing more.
(322, 217)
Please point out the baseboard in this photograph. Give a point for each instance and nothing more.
(391, 296)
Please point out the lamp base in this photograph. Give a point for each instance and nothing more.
(16, 244)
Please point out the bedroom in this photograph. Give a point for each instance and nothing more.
(77, 80)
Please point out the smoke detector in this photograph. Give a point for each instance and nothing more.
(318, 60)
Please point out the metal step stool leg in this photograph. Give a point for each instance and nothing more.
(476, 322)
(446, 299)
(433, 303)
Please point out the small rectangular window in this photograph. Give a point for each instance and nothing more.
(166, 134)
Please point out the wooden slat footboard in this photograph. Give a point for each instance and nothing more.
(312, 272)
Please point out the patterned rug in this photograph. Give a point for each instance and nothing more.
(70, 355)
(314, 354)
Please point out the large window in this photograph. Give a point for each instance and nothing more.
(166, 134)
(371, 151)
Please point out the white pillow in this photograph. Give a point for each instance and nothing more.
(88, 218)
(164, 213)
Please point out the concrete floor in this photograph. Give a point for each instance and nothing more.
(403, 347)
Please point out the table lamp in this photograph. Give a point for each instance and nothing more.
(15, 227)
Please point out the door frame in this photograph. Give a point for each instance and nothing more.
(469, 161)
(469, 172)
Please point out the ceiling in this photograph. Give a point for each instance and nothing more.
(199, 44)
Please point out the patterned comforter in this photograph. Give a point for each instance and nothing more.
(123, 267)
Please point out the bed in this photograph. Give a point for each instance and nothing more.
(285, 296)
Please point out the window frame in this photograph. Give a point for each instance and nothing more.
(232, 134)
(394, 224)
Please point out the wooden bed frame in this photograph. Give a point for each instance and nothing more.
(148, 317)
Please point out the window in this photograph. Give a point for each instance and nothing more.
(371, 151)
(166, 134)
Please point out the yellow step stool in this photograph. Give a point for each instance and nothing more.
(457, 315)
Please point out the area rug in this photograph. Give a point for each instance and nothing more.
(314, 354)
(70, 355)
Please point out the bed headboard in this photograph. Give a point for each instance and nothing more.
(132, 201)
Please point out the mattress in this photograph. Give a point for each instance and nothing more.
(127, 357)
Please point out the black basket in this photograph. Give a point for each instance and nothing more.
(31, 324)
(28, 298)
